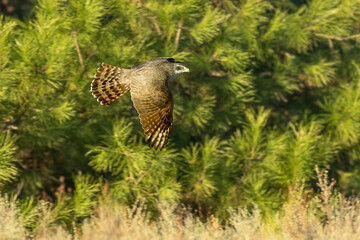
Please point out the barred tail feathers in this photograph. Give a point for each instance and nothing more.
(110, 83)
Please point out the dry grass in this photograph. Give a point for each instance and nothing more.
(325, 216)
(10, 226)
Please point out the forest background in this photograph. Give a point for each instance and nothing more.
(273, 92)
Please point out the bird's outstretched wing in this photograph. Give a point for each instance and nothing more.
(154, 104)
(110, 83)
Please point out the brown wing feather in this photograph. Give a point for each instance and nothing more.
(154, 104)
(110, 83)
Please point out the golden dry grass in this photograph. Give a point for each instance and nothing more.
(11, 227)
(325, 216)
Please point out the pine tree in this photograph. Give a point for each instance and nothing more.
(273, 92)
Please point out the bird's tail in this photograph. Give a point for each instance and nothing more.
(110, 83)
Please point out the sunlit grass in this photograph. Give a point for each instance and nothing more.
(327, 215)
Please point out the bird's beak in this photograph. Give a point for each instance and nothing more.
(186, 69)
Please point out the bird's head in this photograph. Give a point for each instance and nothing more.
(166, 64)
(180, 68)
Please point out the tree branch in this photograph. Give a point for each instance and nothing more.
(78, 49)
(337, 38)
(177, 38)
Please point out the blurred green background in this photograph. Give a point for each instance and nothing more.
(273, 92)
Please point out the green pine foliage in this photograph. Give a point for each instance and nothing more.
(8, 169)
(273, 92)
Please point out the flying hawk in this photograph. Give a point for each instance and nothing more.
(148, 83)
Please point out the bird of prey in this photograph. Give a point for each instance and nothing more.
(148, 83)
